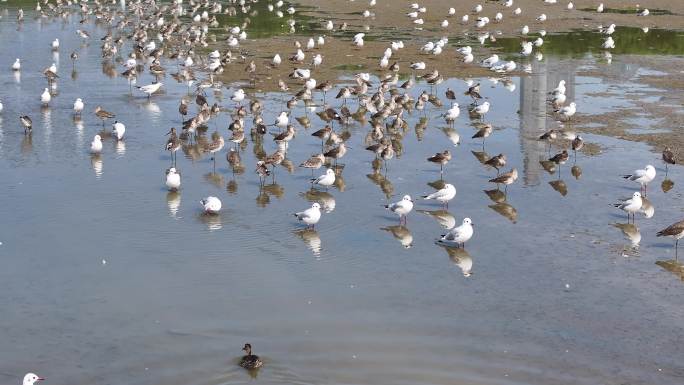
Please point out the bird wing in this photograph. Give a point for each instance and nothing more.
(437, 194)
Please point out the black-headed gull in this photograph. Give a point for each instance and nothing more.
(401, 208)
(458, 236)
(310, 216)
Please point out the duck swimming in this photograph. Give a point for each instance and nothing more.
(249, 360)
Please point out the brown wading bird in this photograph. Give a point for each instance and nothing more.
(668, 157)
(441, 158)
(103, 114)
(506, 178)
(676, 231)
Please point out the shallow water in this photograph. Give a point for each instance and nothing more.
(109, 279)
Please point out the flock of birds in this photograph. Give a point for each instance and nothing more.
(173, 34)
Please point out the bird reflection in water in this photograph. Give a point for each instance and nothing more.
(402, 234)
(461, 258)
(576, 171)
(673, 266)
(262, 200)
(324, 198)
(481, 156)
(27, 144)
(382, 181)
(96, 163)
(173, 201)
(667, 185)
(647, 207)
(311, 239)
(443, 217)
(274, 190)
(120, 148)
(215, 178)
(500, 205)
(559, 186)
(213, 221)
(631, 232)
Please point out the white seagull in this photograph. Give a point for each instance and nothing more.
(211, 204)
(150, 88)
(458, 236)
(643, 176)
(401, 208)
(310, 216)
(444, 195)
(326, 180)
(118, 130)
(173, 179)
(631, 206)
(96, 145)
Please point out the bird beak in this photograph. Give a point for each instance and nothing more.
(40, 379)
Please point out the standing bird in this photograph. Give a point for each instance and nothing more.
(78, 106)
(326, 180)
(211, 205)
(96, 145)
(150, 88)
(577, 144)
(118, 129)
(103, 115)
(310, 216)
(173, 179)
(458, 236)
(498, 162)
(631, 206)
(668, 157)
(250, 361)
(173, 144)
(45, 97)
(642, 176)
(444, 195)
(441, 158)
(676, 231)
(401, 208)
(314, 162)
(27, 123)
(30, 379)
(506, 178)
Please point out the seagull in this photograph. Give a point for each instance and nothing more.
(481, 110)
(676, 231)
(326, 180)
(643, 176)
(30, 379)
(443, 195)
(458, 236)
(599, 9)
(645, 12)
(16, 66)
(173, 179)
(238, 96)
(96, 145)
(630, 206)
(55, 44)
(150, 88)
(401, 208)
(568, 111)
(78, 106)
(310, 216)
(45, 97)
(118, 129)
(211, 204)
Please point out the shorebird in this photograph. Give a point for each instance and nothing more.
(27, 123)
(173, 179)
(173, 144)
(211, 205)
(401, 208)
(150, 88)
(506, 178)
(45, 97)
(326, 180)
(78, 106)
(262, 170)
(250, 361)
(643, 176)
(310, 216)
(443, 195)
(668, 157)
(336, 152)
(314, 162)
(577, 145)
(118, 130)
(458, 236)
(216, 144)
(676, 231)
(103, 115)
(498, 162)
(631, 206)
(16, 66)
(441, 158)
(96, 145)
